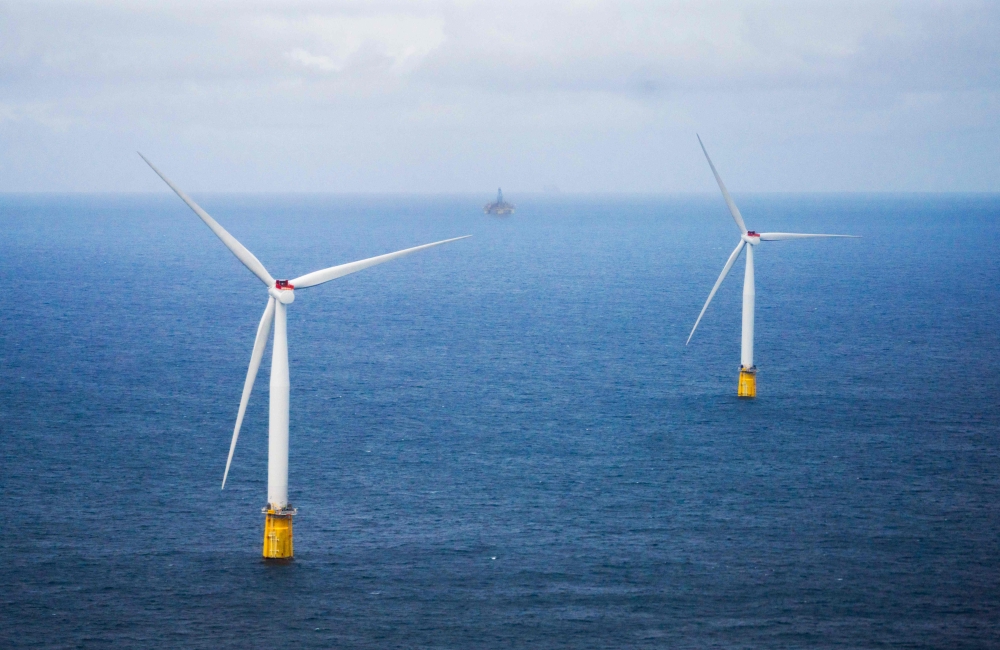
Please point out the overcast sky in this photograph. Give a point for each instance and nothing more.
(465, 96)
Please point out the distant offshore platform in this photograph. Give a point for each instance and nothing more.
(500, 207)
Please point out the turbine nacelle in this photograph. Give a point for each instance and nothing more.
(283, 292)
(751, 238)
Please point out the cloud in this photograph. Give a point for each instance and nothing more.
(401, 41)
(312, 61)
(554, 45)
(471, 90)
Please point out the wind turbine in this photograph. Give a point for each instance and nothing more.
(281, 293)
(748, 238)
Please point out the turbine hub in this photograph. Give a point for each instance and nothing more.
(752, 238)
(283, 292)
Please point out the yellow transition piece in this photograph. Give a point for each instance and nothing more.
(748, 382)
(278, 535)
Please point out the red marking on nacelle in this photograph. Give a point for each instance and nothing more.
(283, 284)
(751, 233)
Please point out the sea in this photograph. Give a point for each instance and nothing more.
(503, 442)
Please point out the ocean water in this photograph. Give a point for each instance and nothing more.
(504, 442)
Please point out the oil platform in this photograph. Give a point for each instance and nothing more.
(500, 206)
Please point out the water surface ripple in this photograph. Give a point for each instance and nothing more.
(503, 442)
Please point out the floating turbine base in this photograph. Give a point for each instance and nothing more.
(748, 382)
(278, 533)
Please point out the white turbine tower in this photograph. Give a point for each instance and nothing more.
(281, 293)
(748, 371)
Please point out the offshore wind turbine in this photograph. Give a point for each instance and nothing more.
(749, 239)
(281, 293)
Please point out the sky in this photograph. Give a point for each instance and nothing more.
(247, 96)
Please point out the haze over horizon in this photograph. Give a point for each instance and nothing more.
(466, 96)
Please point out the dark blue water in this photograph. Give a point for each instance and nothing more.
(503, 442)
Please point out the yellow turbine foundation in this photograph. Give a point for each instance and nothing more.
(748, 382)
(278, 533)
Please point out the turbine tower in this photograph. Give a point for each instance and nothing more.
(281, 293)
(749, 239)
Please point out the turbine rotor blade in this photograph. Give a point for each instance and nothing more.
(722, 276)
(334, 272)
(238, 249)
(781, 236)
(258, 353)
(725, 193)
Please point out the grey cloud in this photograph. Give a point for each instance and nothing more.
(457, 96)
